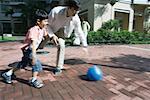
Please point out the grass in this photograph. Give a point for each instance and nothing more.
(7, 39)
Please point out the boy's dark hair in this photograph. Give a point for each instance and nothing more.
(73, 3)
(40, 14)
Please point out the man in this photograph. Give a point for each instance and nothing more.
(62, 20)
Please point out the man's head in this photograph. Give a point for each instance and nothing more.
(73, 7)
(41, 18)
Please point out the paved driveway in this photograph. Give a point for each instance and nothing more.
(126, 70)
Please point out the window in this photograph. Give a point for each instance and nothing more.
(6, 28)
(3, 8)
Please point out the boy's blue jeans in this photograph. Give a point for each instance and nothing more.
(27, 60)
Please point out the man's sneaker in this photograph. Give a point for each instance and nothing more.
(57, 71)
(36, 84)
(7, 79)
(65, 68)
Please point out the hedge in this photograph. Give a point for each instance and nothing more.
(123, 37)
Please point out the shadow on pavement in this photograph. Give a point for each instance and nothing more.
(21, 80)
(84, 77)
(42, 52)
(14, 64)
(74, 61)
(48, 67)
(132, 62)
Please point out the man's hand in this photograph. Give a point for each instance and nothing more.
(55, 39)
(86, 51)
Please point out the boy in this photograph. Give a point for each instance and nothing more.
(32, 41)
(62, 20)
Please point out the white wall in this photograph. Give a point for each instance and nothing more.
(103, 13)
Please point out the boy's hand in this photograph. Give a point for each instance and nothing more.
(33, 61)
(55, 39)
(45, 37)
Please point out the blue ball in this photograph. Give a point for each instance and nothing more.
(94, 73)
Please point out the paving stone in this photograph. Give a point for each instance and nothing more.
(49, 77)
(121, 97)
(140, 83)
(119, 86)
(114, 91)
(137, 98)
(132, 87)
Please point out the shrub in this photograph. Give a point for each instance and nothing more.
(123, 37)
(111, 24)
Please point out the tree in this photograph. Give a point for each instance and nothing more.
(2, 27)
(1, 0)
(10, 11)
(28, 10)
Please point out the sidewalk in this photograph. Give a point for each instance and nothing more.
(126, 70)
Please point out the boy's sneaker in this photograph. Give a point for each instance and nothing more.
(57, 71)
(13, 77)
(7, 79)
(36, 84)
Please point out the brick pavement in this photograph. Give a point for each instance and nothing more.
(126, 74)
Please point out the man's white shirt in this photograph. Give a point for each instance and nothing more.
(58, 19)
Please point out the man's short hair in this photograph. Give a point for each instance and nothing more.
(73, 3)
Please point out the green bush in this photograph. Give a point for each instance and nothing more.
(123, 37)
(109, 25)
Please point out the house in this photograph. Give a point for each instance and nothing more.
(133, 16)
(11, 20)
(9, 16)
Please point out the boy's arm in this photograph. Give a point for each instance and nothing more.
(45, 33)
(33, 52)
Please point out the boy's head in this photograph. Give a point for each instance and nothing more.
(41, 18)
(73, 7)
